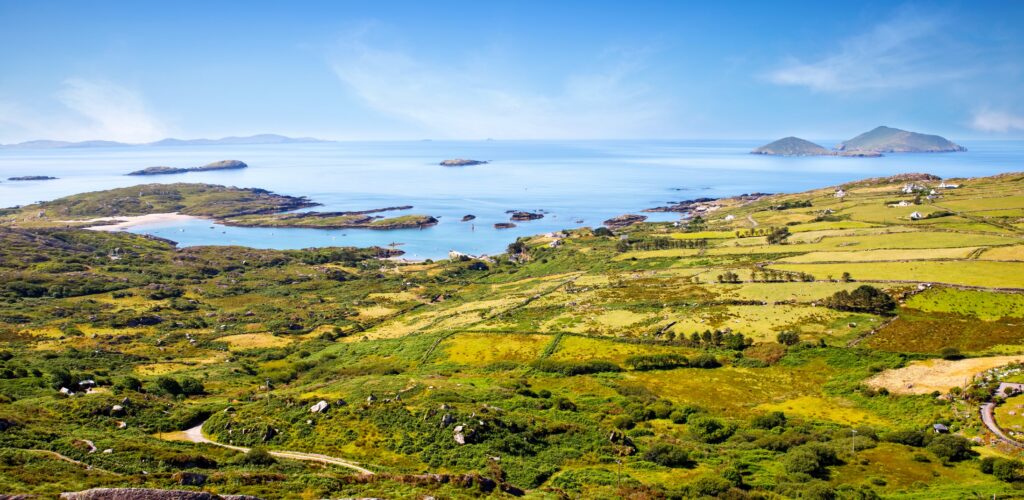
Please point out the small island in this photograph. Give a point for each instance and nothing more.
(468, 217)
(792, 146)
(461, 162)
(217, 165)
(504, 225)
(32, 178)
(520, 215)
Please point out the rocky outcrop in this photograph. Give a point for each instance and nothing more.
(624, 220)
(504, 225)
(467, 218)
(217, 165)
(519, 215)
(461, 162)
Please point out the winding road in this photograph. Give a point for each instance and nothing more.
(989, 419)
(196, 435)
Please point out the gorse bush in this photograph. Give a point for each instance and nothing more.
(570, 368)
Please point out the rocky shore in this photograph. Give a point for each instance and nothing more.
(520, 215)
(624, 220)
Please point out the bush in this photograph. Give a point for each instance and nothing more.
(811, 459)
(909, 437)
(656, 361)
(709, 486)
(668, 455)
(986, 465)
(1007, 470)
(788, 338)
(710, 429)
(705, 361)
(128, 384)
(192, 387)
(570, 368)
(258, 457)
(951, 353)
(769, 420)
(682, 414)
(950, 447)
(624, 422)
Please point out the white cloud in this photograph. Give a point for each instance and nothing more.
(905, 52)
(479, 96)
(987, 120)
(86, 110)
(110, 111)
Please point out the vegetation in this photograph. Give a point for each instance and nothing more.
(594, 369)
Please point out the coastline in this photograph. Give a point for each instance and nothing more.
(127, 222)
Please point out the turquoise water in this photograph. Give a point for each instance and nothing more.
(589, 181)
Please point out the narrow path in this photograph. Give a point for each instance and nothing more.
(65, 458)
(196, 435)
(989, 419)
(753, 223)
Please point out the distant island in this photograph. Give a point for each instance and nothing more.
(217, 165)
(461, 162)
(792, 146)
(867, 145)
(893, 140)
(32, 178)
(248, 140)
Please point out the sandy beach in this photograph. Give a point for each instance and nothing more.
(122, 223)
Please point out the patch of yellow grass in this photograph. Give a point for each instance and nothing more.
(882, 255)
(927, 376)
(1015, 252)
(483, 348)
(254, 341)
(822, 408)
(576, 348)
(968, 272)
(374, 312)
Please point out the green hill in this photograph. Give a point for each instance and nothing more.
(893, 140)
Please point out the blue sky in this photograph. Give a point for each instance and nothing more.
(140, 71)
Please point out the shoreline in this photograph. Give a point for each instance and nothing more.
(127, 222)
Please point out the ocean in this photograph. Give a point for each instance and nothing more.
(575, 183)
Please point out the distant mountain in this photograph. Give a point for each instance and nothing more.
(792, 146)
(893, 140)
(253, 139)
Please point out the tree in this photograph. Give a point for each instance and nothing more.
(847, 278)
(1007, 470)
(778, 235)
(192, 387)
(668, 455)
(60, 377)
(865, 298)
(168, 385)
(788, 338)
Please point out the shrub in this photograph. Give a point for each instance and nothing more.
(705, 361)
(951, 353)
(710, 429)
(668, 455)
(656, 361)
(258, 457)
(788, 338)
(986, 465)
(128, 384)
(192, 387)
(682, 414)
(624, 422)
(909, 437)
(570, 368)
(168, 385)
(951, 448)
(709, 486)
(1007, 470)
(769, 421)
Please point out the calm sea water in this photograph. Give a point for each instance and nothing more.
(589, 181)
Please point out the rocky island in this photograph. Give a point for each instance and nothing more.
(217, 165)
(624, 220)
(32, 178)
(468, 217)
(461, 162)
(893, 140)
(520, 215)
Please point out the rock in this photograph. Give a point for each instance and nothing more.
(459, 435)
(467, 218)
(446, 420)
(461, 162)
(116, 410)
(519, 215)
(504, 225)
(108, 451)
(320, 407)
(624, 220)
(371, 398)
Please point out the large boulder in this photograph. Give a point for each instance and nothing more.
(320, 407)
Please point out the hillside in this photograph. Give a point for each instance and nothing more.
(734, 355)
(893, 140)
(792, 146)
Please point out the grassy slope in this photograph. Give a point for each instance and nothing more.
(336, 324)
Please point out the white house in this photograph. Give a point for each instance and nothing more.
(916, 216)
(840, 193)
